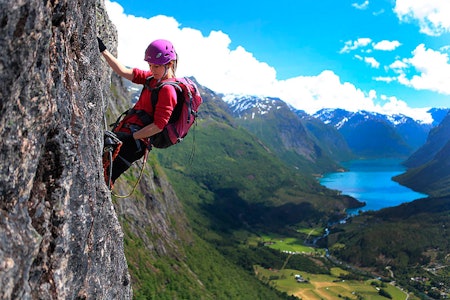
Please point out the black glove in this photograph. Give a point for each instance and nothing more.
(101, 46)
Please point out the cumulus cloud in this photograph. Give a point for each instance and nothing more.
(312, 93)
(431, 15)
(353, 45)
(399, 66)
(369, 60)
(372, 62)
(427, 69)
(212, 61)
(392, 105)
(386, 45)
(433, 70)
(364, 43)
(208, 58)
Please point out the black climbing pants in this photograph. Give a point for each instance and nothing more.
(130, 151)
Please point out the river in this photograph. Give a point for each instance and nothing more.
(370, 181)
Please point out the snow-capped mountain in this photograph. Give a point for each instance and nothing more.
(368, 134)
(250, 106)
(339, 117)
(294, 139)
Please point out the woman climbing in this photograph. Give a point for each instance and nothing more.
(144, 121)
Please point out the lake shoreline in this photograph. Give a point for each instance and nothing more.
(370, 181)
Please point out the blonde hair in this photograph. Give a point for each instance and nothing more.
(174, 64)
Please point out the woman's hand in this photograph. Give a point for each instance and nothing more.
(112, 61)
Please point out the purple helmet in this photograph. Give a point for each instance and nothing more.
(160, 52)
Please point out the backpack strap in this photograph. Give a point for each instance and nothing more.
(142, 115)
(177, 109)
(147, 119)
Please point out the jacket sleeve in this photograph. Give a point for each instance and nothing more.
(139, 76)
(167, 99)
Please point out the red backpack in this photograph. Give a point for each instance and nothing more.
(183, 116)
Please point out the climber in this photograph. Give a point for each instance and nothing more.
(132, 131)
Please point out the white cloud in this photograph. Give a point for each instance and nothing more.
(393, 105)
(433, 70)
(433, 16)
(372, 62)
(361, 6)
(385, 79)
(353, 45)
(224, 70)
(427, 69)
(208, 58)
(379, 12)
(360, 43)
(386, 45)
(368, 60)
(312, 93)
(398, 65)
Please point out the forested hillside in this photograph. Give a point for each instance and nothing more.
(301, 142)
(400, 243)
(429, 166)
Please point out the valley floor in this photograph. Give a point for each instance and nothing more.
(338, 283)
(330, 287)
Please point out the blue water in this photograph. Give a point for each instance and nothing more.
(371, 181)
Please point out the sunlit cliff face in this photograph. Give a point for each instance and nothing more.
(59, 234)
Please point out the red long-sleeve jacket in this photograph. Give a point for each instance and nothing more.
(167, 99)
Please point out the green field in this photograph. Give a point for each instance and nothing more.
(311, 232)
(318, 286)
(287, 244)
(330, 287)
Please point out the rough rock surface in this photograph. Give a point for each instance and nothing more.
(59, 233)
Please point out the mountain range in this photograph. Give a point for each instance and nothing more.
(334, 134)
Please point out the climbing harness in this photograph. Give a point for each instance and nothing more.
(111, 150)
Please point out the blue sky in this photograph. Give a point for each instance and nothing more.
(389, 56)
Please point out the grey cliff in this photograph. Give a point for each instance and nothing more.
(59, 234)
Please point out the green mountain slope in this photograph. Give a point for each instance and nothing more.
(432, 177)
(166, 258)
(304, 143)
(437, 138)
(329, 139)
(429, 170)
(243, 183)
(246, 183)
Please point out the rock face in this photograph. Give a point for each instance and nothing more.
(59, 233)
